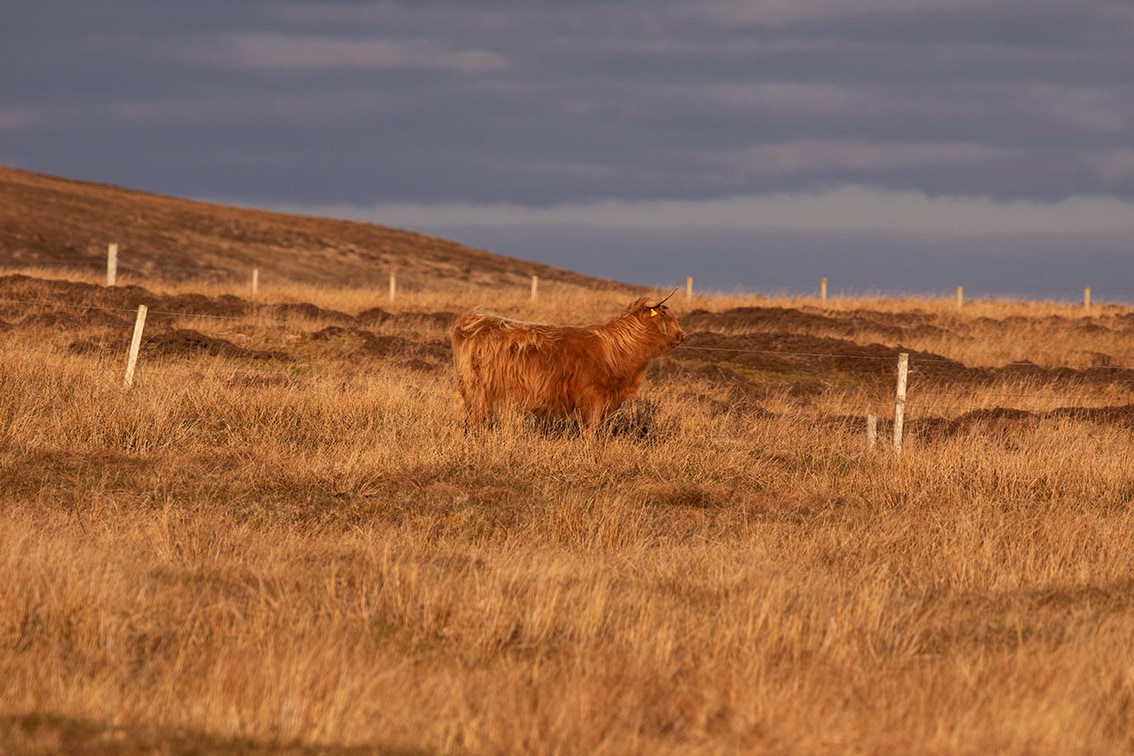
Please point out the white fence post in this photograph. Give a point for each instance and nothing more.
(135, 346)
(535, 286)
(1087, 299)
(823, 290)
(393, 287)
(960, 297)
(255, 282)
(689, 287)
(900, 401)
(871, 431)
(111, 264)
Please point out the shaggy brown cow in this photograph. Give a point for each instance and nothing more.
(581, 372)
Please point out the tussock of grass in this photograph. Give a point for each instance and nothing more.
(315, 552)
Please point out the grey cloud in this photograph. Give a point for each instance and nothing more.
(291, 53)
(775, 260)
(538, 104)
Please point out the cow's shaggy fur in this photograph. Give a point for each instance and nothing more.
(581, 372)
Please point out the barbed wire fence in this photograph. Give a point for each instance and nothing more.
(248, 281)
(816, 289)
(135, 342)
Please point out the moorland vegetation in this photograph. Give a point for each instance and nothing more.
(282, 536)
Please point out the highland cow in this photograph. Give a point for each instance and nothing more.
(580, 372)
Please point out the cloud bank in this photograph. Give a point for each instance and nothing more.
(848, 208)
(534, 126)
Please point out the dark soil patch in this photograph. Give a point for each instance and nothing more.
(727, 358)
(226, 305)
(185, 341)
(75, 304)
(1119, 416)
(432, 320)
(1007, 422)
(847, 324)
(19, 293)
(1029, 371)
(306, 311)
(777, 351)
(359, 342)
(366, 342)
(75, 320)
(1004, 423)
(373, 316)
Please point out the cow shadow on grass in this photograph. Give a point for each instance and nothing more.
(636, 420)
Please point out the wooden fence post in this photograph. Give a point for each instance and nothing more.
(255, 282)
(393, 287)
(823, 290)
(960, 297)
(535, 286)
(111, 264)
(135, 346)
(689, 287)
(1087, 299)
(871, 431)
(900, 400)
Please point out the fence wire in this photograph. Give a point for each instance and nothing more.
(928, 393)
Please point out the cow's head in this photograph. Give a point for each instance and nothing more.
(658, 319)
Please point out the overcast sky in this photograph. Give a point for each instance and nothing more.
(890, 145)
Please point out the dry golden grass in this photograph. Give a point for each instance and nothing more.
(242, 554)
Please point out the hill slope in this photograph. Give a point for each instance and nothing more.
(55, 222)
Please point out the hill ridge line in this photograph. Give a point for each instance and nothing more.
(55, 222)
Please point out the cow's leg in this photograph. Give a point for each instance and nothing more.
(474, 401)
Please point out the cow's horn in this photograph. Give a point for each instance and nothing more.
(667, 296)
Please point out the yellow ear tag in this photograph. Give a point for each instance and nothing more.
(653, 313)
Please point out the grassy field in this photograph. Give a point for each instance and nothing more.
(283, 539)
